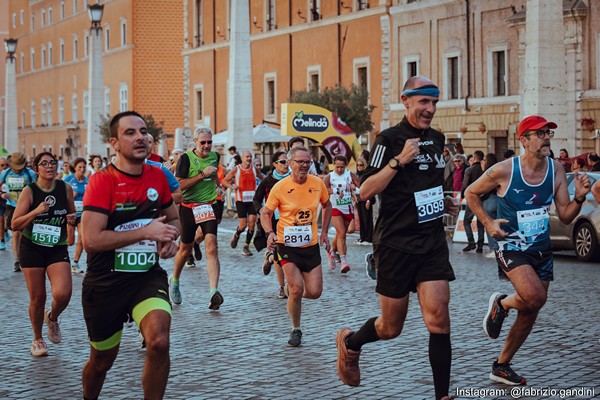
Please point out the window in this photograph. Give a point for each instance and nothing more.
(44, 121)
(62, 9)
(362, 4)
(314, 78)
(497, 71)
(123, 98)
(74, 7)
(107, 38)
(75, 47)
(61, 110)
(14, 20)
(32, 59)
(23, 114)
(198, 41)
(74, 109)
(86, 105)
(123, 32)
(107, 101)
(315, 10)
(199, 115)
(61, 51)
(411, 67)
(32, 27)
(452, 78)
(22, 16)
(86, 43)
(270, 96)
(43, 19)
(43, 56)
(271, 23)
(22, 63)
(49, 15)
(32, 114)
(361, 72)
(50, 58)
(50, 111)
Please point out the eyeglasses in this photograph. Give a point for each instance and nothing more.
(47, 164)
(541, 134)
(360, 165)
(303, 162)
(282, 162)
(203, 142)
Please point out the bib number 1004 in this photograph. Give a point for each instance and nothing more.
(134, 261)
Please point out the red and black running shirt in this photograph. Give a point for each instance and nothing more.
(123, 198)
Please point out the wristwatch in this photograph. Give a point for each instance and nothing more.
(579, 201)
(395, 164)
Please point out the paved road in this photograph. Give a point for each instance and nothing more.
(241, 353)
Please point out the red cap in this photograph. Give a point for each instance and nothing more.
(533, 123)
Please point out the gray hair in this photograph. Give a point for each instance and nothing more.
(295, 150)
(202, 129)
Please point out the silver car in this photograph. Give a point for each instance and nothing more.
(582, 234)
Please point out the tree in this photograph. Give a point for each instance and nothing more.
(154, 128)
(351, 105)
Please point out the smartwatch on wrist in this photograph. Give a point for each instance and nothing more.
(395, 164)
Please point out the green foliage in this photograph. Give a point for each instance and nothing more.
(351, 105)
(154, 128)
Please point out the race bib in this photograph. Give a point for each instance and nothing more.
(79, 206)
(297, 236)
(344, 201)
(533, 222)
(247, 196)
(15, 182)
(203, 213)
(45, 235)
(430, 204)
(136, 257)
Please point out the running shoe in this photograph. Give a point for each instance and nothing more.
(190, 263)
(344, 267)
(469, 247)
(246, 250)
(295, 338)
(331, 259)
(54, 334)
(503, 373)
(38, 348)
(6, 236)
(2, 245)
(267, 263)
(17, 267)
(234, 240)
(491, 254)
(347, 360)
(337, 256)
(492, 322)
(174, 293)
(215, 301)
(370, 266)
(197, 252)
(281, 294)
(75, 269)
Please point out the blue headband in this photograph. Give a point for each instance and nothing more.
(429, 90)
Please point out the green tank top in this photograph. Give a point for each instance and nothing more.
(205, 191)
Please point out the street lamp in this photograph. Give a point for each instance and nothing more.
(11, 135)
(95, 81)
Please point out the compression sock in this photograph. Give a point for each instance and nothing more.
(440, 358)
(249, 236)
(366, 334)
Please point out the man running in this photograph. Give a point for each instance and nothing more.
(410, 250)
(129, 220)
(526, 187)
(197, 175)
(242, 179)
(16, 178)
(297, 197)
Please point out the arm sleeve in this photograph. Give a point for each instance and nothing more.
(183, 166)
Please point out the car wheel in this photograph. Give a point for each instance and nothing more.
(586, 243)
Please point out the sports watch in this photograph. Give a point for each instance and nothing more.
(395, 164)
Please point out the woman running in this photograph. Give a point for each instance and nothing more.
(78, 182)
(45, 214)
(342, 185)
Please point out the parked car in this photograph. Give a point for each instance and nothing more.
(582, 234)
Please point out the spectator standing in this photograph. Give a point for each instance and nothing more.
(471, 175)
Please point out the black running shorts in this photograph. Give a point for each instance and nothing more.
(398, 273)
(32, 255)
(305, 258)
(244, 209)
(189, 225)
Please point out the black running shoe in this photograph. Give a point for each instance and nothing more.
(197, 252)
(234, 240)
(215, 301)
(503, 373)
(267, 264)
(295, 338)
(17, 267)
(246, 250)
(492, 322)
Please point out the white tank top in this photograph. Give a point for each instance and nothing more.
(341, 198)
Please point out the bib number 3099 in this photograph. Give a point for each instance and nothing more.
(430, 204)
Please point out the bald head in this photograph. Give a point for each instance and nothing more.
(415, 82)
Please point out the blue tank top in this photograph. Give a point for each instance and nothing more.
(526, 207)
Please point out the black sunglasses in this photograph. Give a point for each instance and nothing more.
(203, 142)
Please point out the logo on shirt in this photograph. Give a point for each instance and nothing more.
(50, 200)
(152, 194)
(440, 162)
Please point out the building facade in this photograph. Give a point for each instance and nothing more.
(141, 59)
(4, 25)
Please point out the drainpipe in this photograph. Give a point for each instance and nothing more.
(468, 13)
(215, 89)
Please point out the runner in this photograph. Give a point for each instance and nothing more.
(242, 179)
(129, 220)
(3, 231)
(94, 166)
(297, 242)
(16, 178)
(78, 182)
(342, 186)
(197, 175)
(43, 210)
(280, 171)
